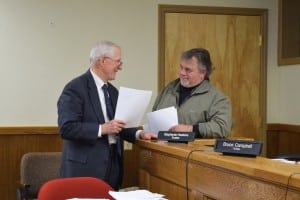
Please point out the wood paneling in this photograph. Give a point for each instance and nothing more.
(16, 141)
(212, 175)
(130, 178)
(282, 139)
(288, 32)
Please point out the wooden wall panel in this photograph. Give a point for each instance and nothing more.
(16, 141)
(130, 178)
(282, 139)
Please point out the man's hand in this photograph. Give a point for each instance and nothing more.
(112, 127)
(147, 136)
(181, 128)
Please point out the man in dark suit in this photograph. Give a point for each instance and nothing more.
(92, 138)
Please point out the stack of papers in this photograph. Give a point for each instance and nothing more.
(136, 195)
(132, 105)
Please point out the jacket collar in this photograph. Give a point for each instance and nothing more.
(203, 87)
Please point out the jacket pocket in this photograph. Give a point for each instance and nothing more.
(79, 158)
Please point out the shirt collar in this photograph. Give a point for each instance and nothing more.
(99, 82)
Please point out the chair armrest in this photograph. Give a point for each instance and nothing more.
(23, 191)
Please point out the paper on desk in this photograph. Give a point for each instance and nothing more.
(131, 105)
(136, 195)
(162, 120)
(285, 160)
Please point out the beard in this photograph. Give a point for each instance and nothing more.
(188, 83)
(185, 82)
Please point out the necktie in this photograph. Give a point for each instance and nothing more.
(110, 113)
(109, 109)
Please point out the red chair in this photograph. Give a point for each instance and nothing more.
(75, 187)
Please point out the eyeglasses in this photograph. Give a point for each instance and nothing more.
(119, 62)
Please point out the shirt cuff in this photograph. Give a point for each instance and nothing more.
(138, 133)
(99, 132)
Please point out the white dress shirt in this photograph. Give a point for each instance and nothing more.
(99, 83)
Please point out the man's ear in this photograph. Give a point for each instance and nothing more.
(100, 61)
(203, 73)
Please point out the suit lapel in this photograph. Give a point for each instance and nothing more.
(94, 97)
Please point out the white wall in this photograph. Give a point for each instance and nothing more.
(45, 43)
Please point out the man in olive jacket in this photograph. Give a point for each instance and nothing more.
(201, 107)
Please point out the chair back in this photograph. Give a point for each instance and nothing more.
(74, 187)
(36, 169)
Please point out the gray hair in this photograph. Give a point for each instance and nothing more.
(203, 58)
(102, 49)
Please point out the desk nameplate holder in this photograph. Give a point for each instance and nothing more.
(238, 147)
(171, 136)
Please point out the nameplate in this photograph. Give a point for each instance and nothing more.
(176, 136)
(238, 147)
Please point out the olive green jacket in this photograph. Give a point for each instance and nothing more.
(206, 106)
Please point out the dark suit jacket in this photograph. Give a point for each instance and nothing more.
(79, 116)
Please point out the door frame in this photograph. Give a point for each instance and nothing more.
(262, 13)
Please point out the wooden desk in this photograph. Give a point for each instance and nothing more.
(211, 175)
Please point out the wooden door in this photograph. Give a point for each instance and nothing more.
(234, 39)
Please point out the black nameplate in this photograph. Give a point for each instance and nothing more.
(238, 147)
(176, 136)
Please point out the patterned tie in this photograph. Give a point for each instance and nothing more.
(109, 109)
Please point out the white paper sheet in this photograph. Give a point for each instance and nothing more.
(285, 160)
(136, 195)
(131, 105)
(161, 120)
